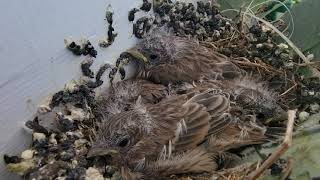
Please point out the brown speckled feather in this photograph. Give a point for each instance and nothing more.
(197, 126)
(166, 115)
(199, 119)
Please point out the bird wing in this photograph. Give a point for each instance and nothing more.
(181, 122)
(198, 121)
(165, 117)
(219, 115)
(194, 127)
(216, 104)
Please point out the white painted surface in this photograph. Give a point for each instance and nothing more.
(34, 62)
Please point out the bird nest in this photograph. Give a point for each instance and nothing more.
(64, 129)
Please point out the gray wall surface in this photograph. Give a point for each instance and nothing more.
(34, 61)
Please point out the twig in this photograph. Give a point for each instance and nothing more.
(241, 16)
(232, 37)
(308, 64)
(281, 149)
(213, 46)
(225, 39)
(284, 93)
(249, 63)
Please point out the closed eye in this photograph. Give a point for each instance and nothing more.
(124, 142)
(153, 56)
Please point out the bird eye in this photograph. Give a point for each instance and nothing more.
(153, 56)
(260, 116)
(124, 142)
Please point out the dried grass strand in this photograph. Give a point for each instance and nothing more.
(281, 149)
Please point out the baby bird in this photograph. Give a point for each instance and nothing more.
(164, 58)
(181, 134)
(251, 102)
(247, 95)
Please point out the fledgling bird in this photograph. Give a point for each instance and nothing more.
(247, 94)
(164, 58)
(180, 134)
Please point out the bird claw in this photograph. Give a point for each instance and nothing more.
(130, 55)
(124, 59)
(101, 71)
(112, 73)
(122, 72)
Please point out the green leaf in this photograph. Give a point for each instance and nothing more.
(275, 8)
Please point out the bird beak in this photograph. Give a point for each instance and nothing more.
(137, 55)
(94, 152)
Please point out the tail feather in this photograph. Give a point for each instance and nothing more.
(194, 161)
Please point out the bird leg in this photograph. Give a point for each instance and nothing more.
(281, 149)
